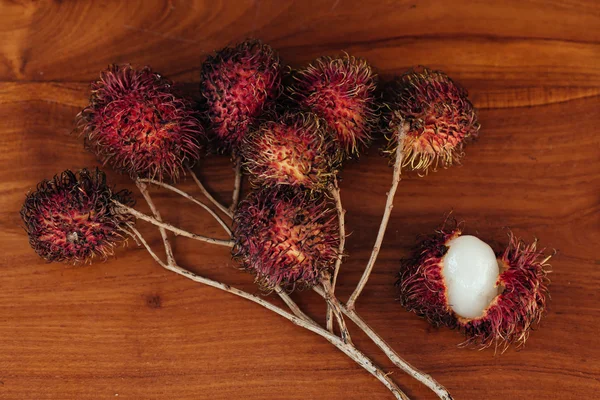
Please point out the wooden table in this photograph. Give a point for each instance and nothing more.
(128, 329)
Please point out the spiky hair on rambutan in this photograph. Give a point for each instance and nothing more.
(341, 91)
(238, 85)
(440, 115)
(286, 237)
(458, 281)
(138, 125)
(294, 149)
(72, 217)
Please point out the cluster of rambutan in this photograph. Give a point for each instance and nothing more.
(292, 140)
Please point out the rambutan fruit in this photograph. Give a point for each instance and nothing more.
(440, 117)
(238, 84)
(135, 123)
(285, 236)
(72, 217)
(341, 91)
(456, 280)
(294, 149)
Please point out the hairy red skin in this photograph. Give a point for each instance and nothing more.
(285, 237)
(510, 316)
(341, 91)
(421, 283)
(522, 303)
(137, 125)
(72, 217)
(238, 84)
(294, 149)
(440, 117)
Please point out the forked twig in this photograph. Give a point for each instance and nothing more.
(389, 204)
(335, 193)
(163, 233)
(347, 348)
(175, 230)
(334, 305)
(208, 195)
(191, 198)
(422, 377)
(292, 305)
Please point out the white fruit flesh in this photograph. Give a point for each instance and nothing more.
(470, 272)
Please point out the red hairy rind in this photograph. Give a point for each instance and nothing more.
(522, 303)
(440, 116)
(510, 316)
(72, 217)
(285, 237)
(421, 283)
(238, 84)
(294, 149)
(341, 91)
(137, 125)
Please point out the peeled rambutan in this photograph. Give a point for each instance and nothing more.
(294, 149)
(456, 280)
(138, 125)
(72, 217)
(238, 84)
(341, 92)
(285, 237)
(439, 115)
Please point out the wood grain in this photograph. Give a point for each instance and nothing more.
(127, 329)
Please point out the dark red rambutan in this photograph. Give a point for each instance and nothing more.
(294, 149)
(439, 115)
(285, 236)
(138, 125)
(72, 217)
(456, 280)
(238, 84)
(341, 91)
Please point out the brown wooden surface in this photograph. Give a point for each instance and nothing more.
(127, 329)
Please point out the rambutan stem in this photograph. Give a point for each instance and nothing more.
(208, 195)
(175, 230)
(394, 357)
(140, 239)
(163, 233)
(335, 193)
(191, 198)
(237, 184)
(347, 348)
(389, 204)
(334, 304)
(292, 305)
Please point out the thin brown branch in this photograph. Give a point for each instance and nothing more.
(208, 195)
(175, 230)
(347, 348)
(140, 239)
(191, 198)
(163, 233)
(335, 193)
(422, 377)
(237, 185)
(292, 305)
(389, 204)
(334, 304)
